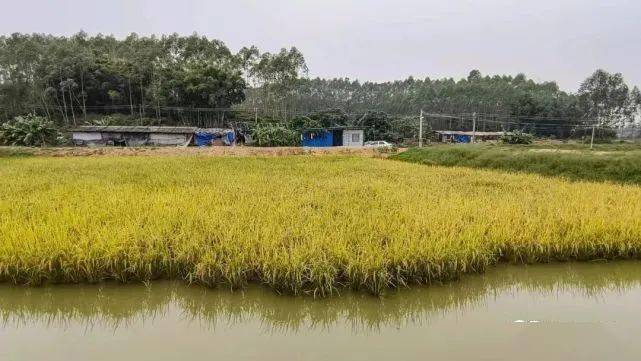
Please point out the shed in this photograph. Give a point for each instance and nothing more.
(132, 136)
(333, 137)
(458, 136)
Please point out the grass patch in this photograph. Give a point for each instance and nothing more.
(297, 224)
(615, 146)
(623, 166)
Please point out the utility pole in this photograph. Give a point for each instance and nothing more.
(420, 130)
(131, 101)
(473, 127)
(592, 139)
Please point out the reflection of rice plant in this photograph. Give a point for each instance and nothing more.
(116, 306)
(297, 224)
(107, 305)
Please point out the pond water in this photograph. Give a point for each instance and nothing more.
(587, 311)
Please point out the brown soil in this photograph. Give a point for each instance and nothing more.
(238, 151)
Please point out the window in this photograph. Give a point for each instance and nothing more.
(356, 137)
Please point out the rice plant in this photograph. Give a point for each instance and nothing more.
(299, 224)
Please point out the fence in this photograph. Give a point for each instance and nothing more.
(541, 127)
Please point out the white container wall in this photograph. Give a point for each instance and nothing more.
(353, 138)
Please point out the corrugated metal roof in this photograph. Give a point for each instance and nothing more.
(214, 130)
(134, 129)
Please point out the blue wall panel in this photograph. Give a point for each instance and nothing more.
(317, 138)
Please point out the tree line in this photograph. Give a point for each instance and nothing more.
(71, 80)
(67, 77)
(602, 95)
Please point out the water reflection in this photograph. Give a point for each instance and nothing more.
(119, 306)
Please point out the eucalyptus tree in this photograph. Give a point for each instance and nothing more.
(608, 98)
(276, 76)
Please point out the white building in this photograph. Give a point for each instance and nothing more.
(132, 136)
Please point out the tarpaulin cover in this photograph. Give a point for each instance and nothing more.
(230, 138)
(204, 139)
(462, 138)
(225, 137)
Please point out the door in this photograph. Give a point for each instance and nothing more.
(337, 136)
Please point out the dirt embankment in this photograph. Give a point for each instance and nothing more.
(238, 151)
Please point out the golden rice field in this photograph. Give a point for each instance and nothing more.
(301, 224)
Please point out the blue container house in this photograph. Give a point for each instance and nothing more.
(333, 137)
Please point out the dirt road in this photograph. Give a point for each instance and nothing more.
(237, 151)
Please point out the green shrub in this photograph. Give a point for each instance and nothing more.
(387, 150)
(275, 135)
(303, 122)
(29, 130)
(517, 137)
(601, 135)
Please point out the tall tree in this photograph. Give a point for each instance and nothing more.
(277, 76)
(71, 76)
(607, 98)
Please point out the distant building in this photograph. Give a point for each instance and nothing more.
(333, 137)
(132, 136)
(457, 136)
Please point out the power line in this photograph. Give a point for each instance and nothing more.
(482, 119)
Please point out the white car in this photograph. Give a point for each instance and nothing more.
(378, 144)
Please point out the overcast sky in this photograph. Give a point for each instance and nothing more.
(378, 40)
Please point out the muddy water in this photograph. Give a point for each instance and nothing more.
(552, 312)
